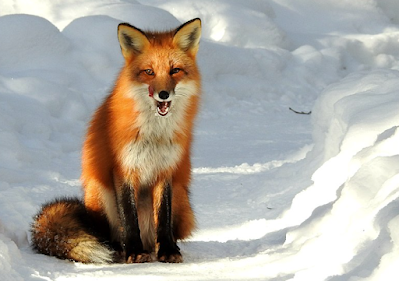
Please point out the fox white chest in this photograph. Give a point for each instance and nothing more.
(149, 157)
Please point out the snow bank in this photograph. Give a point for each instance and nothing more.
(233, 22)
(348, 210)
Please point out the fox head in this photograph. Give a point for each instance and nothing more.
(161, 65)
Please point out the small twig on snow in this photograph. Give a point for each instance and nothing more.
(300, 112)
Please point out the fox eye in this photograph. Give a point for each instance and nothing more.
(149, 72)
(175, 70)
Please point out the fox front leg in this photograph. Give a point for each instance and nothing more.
(130, 232)
(168, 251)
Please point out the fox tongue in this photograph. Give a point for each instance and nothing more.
(163, 108)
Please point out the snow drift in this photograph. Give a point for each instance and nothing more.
(349, 212)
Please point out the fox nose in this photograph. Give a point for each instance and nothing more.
(163, 95)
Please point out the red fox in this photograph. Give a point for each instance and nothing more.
(136, 167)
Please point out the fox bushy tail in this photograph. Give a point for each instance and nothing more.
(65, 229)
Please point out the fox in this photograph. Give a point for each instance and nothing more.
(136, 166)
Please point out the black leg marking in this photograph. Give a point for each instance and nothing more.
(168, 250)
(130, 231)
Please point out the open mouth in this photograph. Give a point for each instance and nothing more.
(163, 107)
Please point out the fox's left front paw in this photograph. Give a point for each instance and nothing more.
(139, 258)
(170, 254)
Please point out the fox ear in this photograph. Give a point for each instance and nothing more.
(187, 36)
(132, 40)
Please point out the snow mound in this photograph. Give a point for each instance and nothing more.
(348, 212)
(233, 22)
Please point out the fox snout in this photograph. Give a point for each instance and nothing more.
(163, 102)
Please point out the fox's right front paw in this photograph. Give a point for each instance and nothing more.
(139, 258)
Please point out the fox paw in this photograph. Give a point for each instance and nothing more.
(174, 258)
(170, 255)
(139, 258)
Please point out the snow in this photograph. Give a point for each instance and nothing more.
(277, 195)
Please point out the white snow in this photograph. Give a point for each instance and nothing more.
(277, 195)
